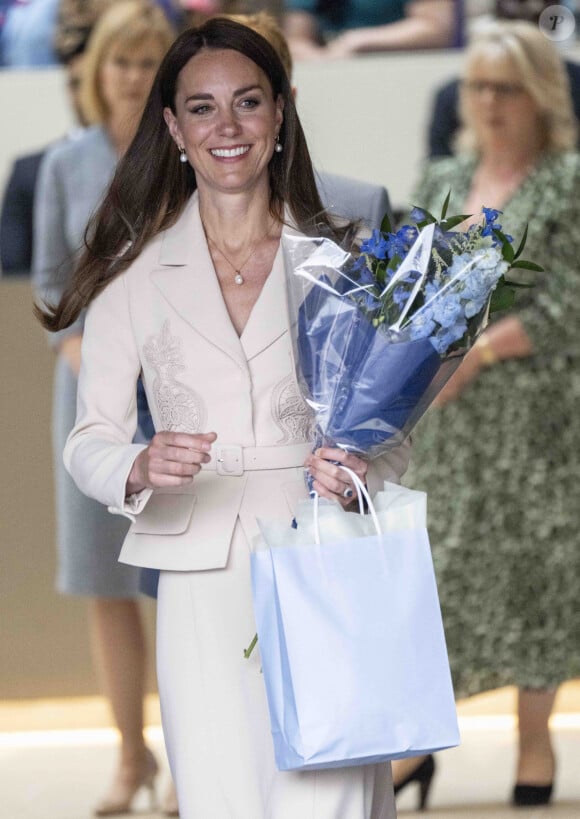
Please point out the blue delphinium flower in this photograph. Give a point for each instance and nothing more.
(400, 296)
(400, 243)
(418, 214)
(370, 301)
(408, 234)
(376, 245)
(491, 214)
(464, 267)
(364, 275)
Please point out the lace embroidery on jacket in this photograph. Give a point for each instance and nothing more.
(291, 413)
(181, 409)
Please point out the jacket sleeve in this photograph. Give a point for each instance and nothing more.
(99, 453)
(53, 258)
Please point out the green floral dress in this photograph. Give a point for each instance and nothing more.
(501, 465)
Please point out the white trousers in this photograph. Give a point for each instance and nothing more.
(215, 716)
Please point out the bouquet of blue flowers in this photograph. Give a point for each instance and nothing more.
(377, 334)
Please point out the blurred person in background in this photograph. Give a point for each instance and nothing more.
(199, 11)
(75, 15)
(317, 28)
(444, 121)
(27, 33)
(498, 453)
(16, 219)
(29, 29)
(124, 51)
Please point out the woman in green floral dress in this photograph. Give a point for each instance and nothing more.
(499, 452)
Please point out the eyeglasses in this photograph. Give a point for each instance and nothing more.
(500, 89)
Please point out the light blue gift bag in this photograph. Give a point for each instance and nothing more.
(350, 635)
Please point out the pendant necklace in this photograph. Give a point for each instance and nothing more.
(238, 278)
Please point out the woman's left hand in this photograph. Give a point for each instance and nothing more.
(332, 482)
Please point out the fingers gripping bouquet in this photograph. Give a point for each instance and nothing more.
(376, 336)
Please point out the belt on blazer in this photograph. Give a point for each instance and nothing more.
(232, 460)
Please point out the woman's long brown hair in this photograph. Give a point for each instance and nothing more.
(151, 186)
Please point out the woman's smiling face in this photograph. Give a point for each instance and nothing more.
(226, 119)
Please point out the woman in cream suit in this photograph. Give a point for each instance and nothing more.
(185, 280)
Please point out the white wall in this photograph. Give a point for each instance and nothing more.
(368, 117)
(34, 112)
(363, 117)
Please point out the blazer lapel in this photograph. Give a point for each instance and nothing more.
(187, 280)
(269, 318)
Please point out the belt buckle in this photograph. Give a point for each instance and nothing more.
(229, 460)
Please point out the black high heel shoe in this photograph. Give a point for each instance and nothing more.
(423, 776)
(530, 795)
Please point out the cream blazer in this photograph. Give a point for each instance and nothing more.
(165, 317)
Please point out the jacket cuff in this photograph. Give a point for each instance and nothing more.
(133, 505)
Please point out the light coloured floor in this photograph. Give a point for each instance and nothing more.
(56, 756)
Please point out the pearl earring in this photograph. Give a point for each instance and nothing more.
(278, 147)
(182, 155)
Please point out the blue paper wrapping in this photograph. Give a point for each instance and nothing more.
(367, 387)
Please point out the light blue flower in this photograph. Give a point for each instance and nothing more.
(488, 258)
(430, 291)
(473, 306)
(447, 309)
(482, 280)
(477, 283)
(445, 337)
(422, 324)
(461, 266)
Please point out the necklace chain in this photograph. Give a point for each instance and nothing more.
(238, 278)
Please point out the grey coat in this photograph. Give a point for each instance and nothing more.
(72, 179)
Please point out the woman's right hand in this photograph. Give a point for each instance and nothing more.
(171, 459)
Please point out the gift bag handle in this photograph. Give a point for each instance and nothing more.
(361, 492)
